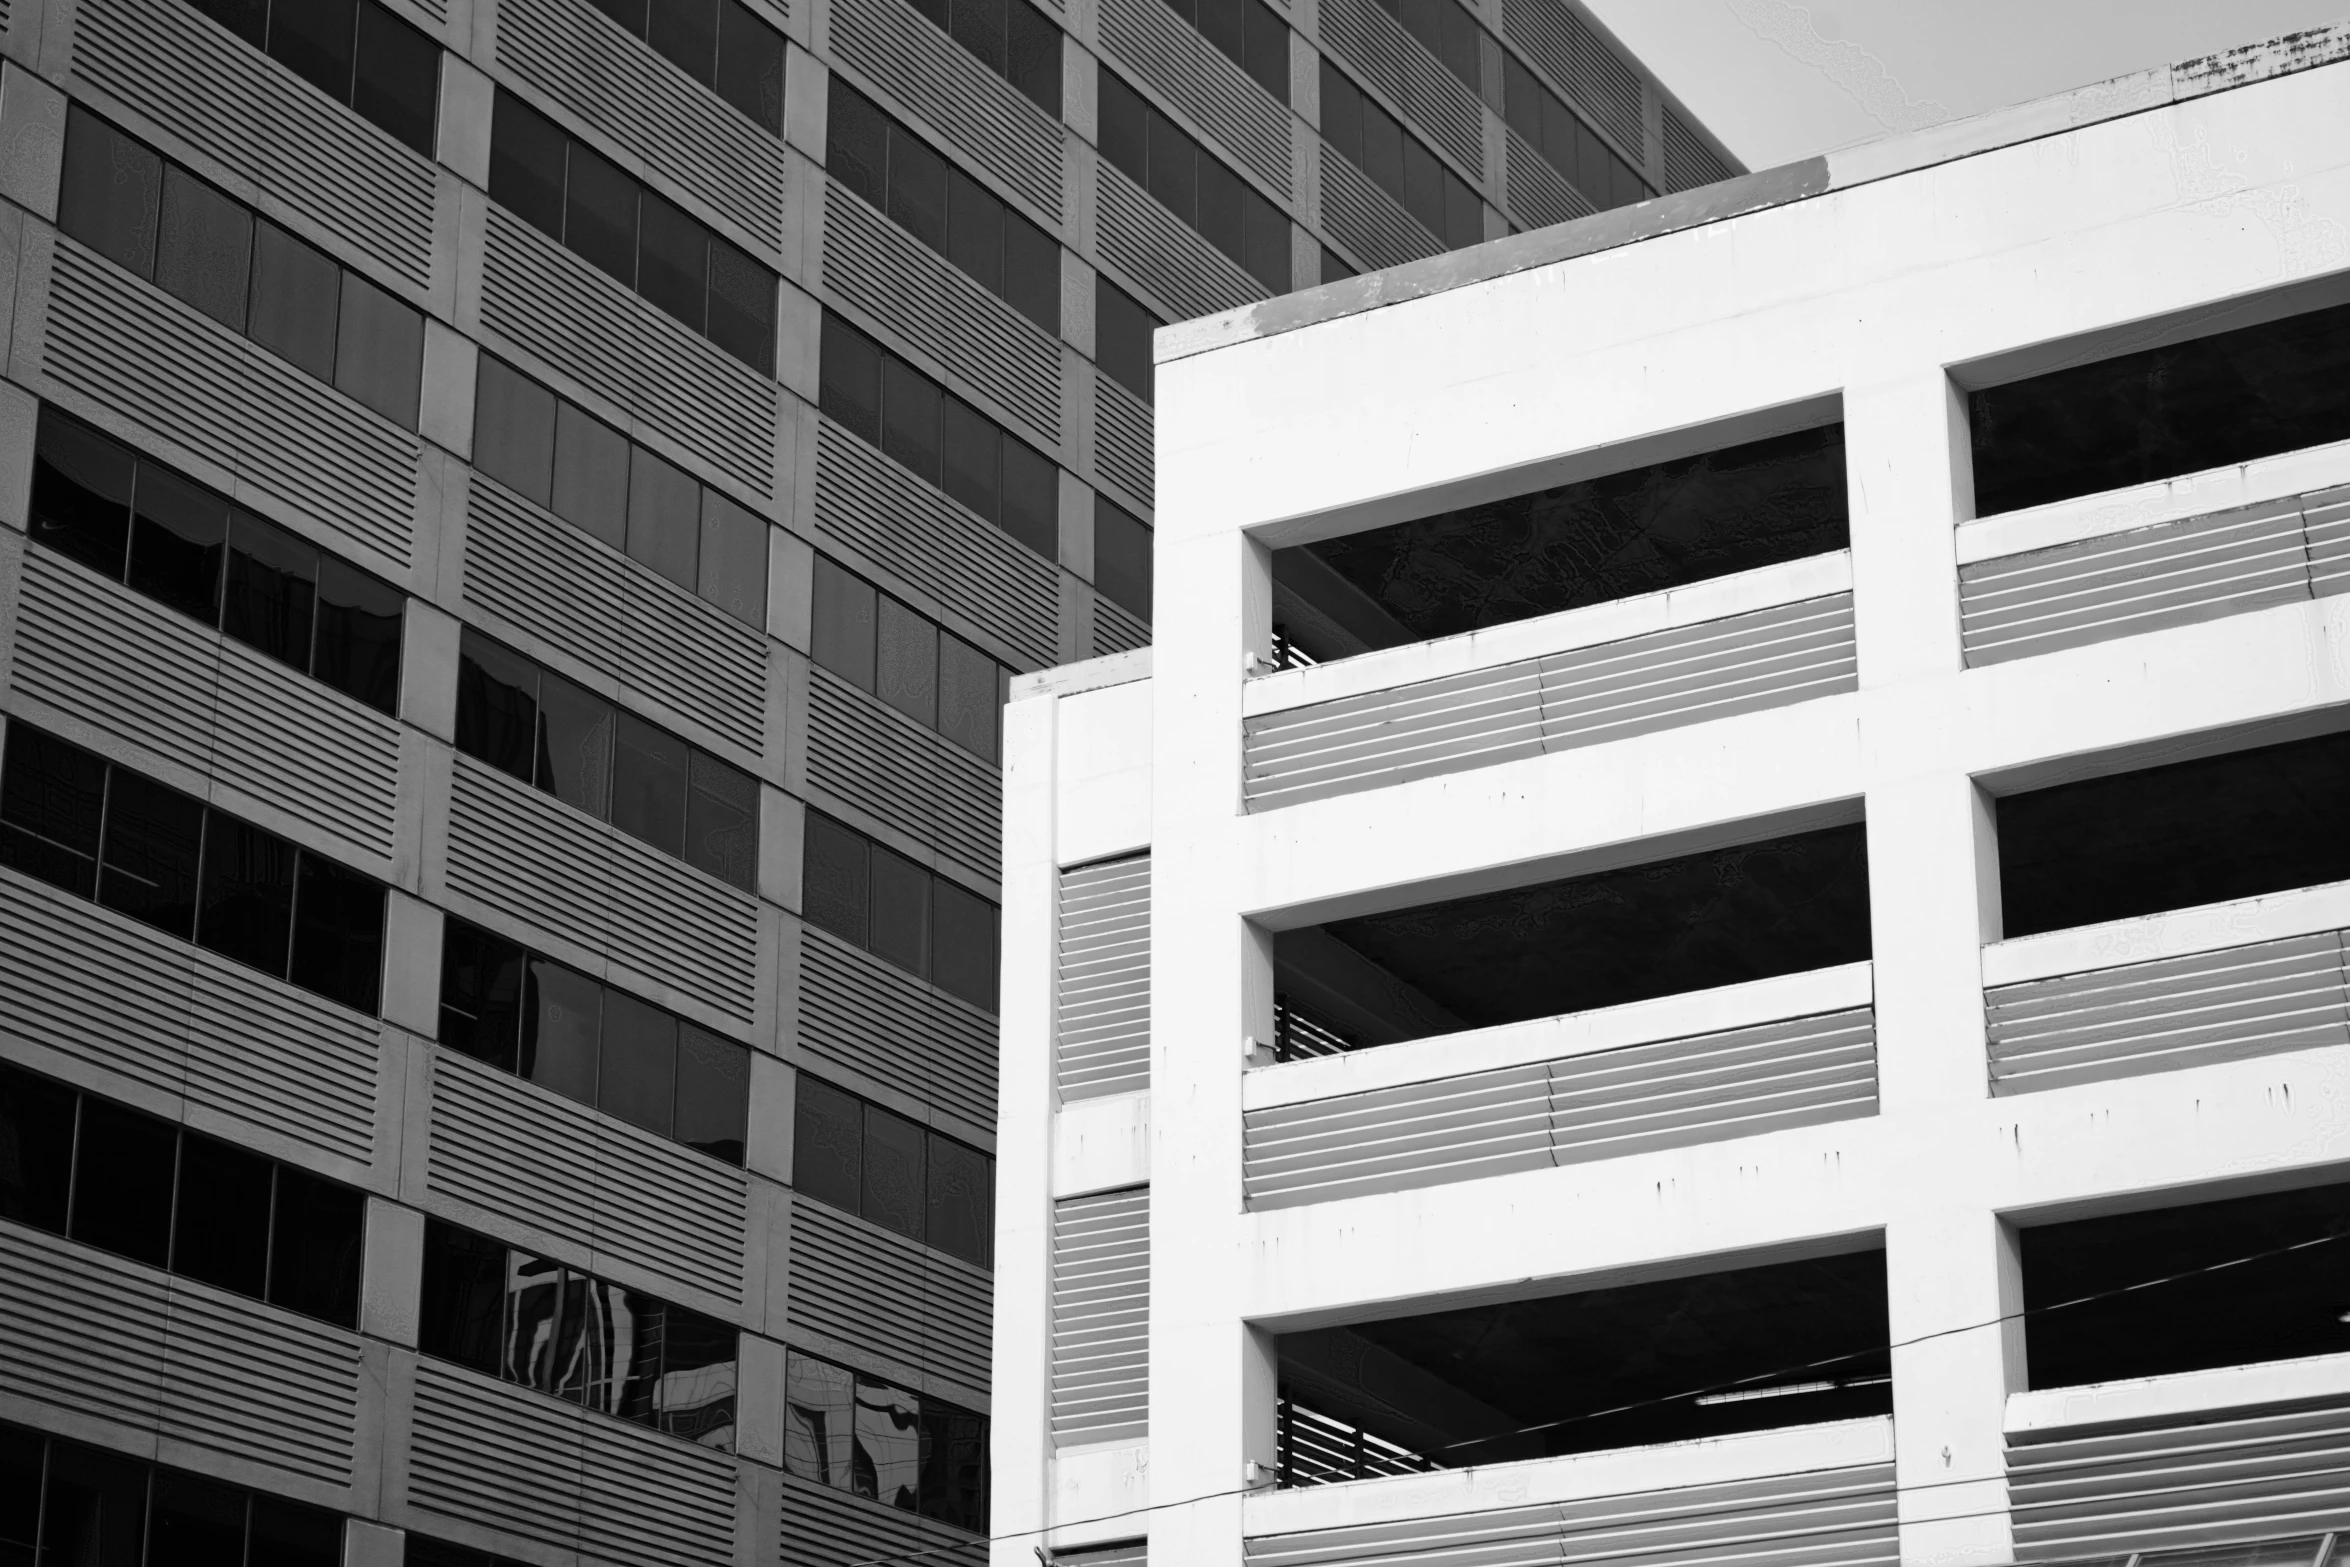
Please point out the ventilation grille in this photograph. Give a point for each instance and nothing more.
(1142, 239)
(541, 297)
(1101, 1318)
(2172, 574)
(1400, 67)
(1604, 1105)
(1689, 162)
(891, 1296)
(1131, 1553)
(1368, 221)
(614, 82)
(1116, 631)
(1102, 1038)
(880, 268)
(1220, 97)
(1557, 702)
(2155, 1485)
(2169, 1014)
(112, 994)
(163, 366)
(975, 109)
(824, 1528)
(864, 751)
(879, 1020)
(538, 1160)
(579, 594)
(1124, 427)
(294, 142)
(1827, 1518)
(904, 526)
(1538, 193)
(1596, 80)
(560, 871)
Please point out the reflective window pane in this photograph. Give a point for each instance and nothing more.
(817, 1433)
(649, 785)
(1122, 557)
(94, 1512)
(906, 675)
(954, 1466)
(893, 1195)
(966, 696)
(379, 351)
(750, 65)
(52, 800)
(968, 457)
(835, 883)
(318, 39)
(698, 1376)
(887, 1463)
(246, 908)
(1125, 127)
(513, 429)
(624, 1332)
(318, 1236)
(843, 629)
(1032, 272)
(288, 1534)
(664, 517)
(591, 475)
(722, 821)
(849, 374)
(204, 250)
(637, 1080)
(248, 19)
(537, 1323)
(463, 1299)
(147, 863)
(965, 960)
(36, 1170)
(828, 1144)
(527, 152)
(397, 84)
(1122, 337)
(856, 143)
(961, 1202)
(1033, 50)
(179, 532)
(297, 294)
(481, 994)
(732, 570)
(81, 493)
(357, 646)
(338, 934)
(975, 230)
(1175, 163)
(271, 590)
(909, 417)
(713, 1093)
(1032, 499)
(901, 912)
(673, 259)
(600, 212)
(111, 190)
(575, 746)
(918, 189)
(123, 1164)
(687, 32)
(562, 1026)
(742, 306)
(196, 1521)
(497, 707)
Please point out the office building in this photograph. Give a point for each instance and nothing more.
(520, 515)
(1713, 930)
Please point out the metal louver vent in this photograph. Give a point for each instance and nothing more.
(1102, 1041)
(1101, 1318)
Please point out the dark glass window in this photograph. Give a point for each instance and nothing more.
(1449, 33)
(356, 53)
(1252, 34)
(124, 201)
(1567, 143)
(897, 910)
(948, 442)
(718, 43)
(585, 1040)
(1011, 38)
(161, 856)
(882, 161)
(548, 732)
(593, 477)
(62, 1502)
(36, 1149)
(578, 197)
(419, 1551)
(192, 550)
(864, 1436)
(222, 1229)
(1122, 557)
(1122, 331)
(315, 1247)
(875, 1163)
(546, 1326)
(1399, 162)
(1334, 267)
(1190, 182)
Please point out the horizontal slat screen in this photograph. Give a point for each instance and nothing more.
(1101, 1318)
(1149, 244)
(1124, 426)
(1439, 104)
(867, 753)
(1739, 664)
(1593, 77)
(1130, 1553)
(875, 1018)
(1603, 1105)
(1826, 1518)
(1539, 194)
(1366, 220)
(1689, 162)
(2254, 1000)
(890, 1295)
(2158, 1484)
(1149, 38)
(1115, 631)
(823, 1527)
(2171, 574)
(1102, 995)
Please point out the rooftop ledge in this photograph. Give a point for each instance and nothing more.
(1857, 165)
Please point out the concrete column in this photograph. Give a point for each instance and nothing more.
(1949, 1271)
(1910, 484)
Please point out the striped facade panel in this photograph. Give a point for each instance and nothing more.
(153, 679)
(1124, 428)
(895, 278)
(977, 111)
(903, 525)
(1368, 221)
(823, 1527)
(1595, 78)
(1102, 980)
(1538, 194)
(111, 993)
(256, 117)
(553, 580)
(874, 1288)
(541, 297)
(564, 1476)
(2257, 1000)
(2154, 1485)
(1744, 663)
(1115, 631)
(2124, 584)
(572, 53)
(1101, 1318)
(1129, 1553)
(1222, 99)
(541, 862)
(1149, 244)
(874, 1018)
(2325, 525)
(1822, 1518)
(1607, 1104)
(98, 1335)
(158, 363)
(1399, 66)
(1689, 162)
(864, 751)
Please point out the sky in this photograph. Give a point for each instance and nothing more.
(1778, 80)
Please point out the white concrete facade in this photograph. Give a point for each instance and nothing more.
(1881, 299)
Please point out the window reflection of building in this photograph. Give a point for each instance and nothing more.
(889, 1444)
